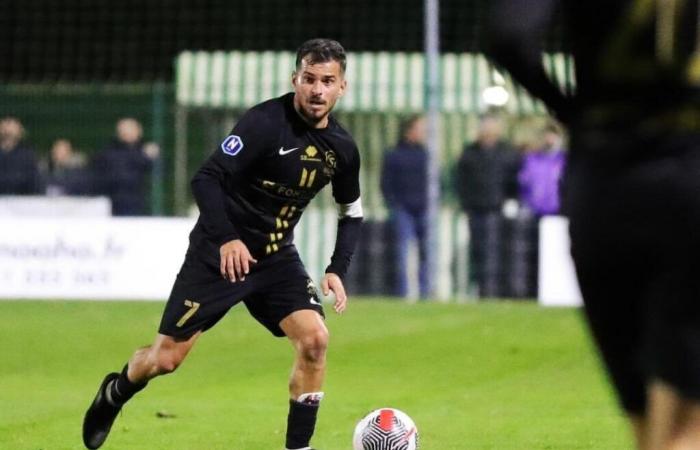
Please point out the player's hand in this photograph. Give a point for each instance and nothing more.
(235, 260)
(332, 282)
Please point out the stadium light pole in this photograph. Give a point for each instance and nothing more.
(432, 108)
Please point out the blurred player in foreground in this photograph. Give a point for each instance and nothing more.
(632, 191)
(251, 193)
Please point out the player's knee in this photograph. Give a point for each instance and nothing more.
(314, 345)
(167, 362)
(167, 365)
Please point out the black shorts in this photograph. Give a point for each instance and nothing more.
(276, 286)
(635, 234)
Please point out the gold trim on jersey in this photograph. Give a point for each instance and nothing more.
(281, 223)
(307, 178)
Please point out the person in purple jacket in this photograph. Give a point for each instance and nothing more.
(540, 174)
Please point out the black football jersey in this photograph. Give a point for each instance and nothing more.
(268, 169)
(637, 61)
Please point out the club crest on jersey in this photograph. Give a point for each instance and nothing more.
(331, 163)
(331, 160)
(232, 145)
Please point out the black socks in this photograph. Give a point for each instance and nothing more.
(121, 390)
(301, 423)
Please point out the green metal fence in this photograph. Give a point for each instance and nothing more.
(378, 82)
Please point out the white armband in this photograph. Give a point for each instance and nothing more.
(353, 209)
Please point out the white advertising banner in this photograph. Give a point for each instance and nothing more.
(138, 258)
(558, 285)
(43, 206)
(91, 258)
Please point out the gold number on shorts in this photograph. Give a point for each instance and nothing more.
(194, 306)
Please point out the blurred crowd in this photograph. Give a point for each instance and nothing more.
(119, 170)
(503, 188)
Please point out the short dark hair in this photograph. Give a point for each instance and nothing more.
(407, 123)
(321, 50)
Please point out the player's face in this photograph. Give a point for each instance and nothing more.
(317, 87)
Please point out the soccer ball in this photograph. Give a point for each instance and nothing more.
(385, 429)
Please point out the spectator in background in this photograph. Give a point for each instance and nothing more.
(404, 186)
(486, 178)
(19, 172)
(65, 172)
(541, 172)
(121, 169)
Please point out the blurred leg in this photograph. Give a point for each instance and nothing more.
(492, 262)
(673, 422)
(639, 429)
(615, 292)
(664, 410)
(476, 249)
(403, 233)
(688, 437)
(424, 266)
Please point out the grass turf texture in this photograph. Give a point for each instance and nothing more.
(486, 376)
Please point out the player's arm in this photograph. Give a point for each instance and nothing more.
(246, 143)
(514, 40)
(346, 191)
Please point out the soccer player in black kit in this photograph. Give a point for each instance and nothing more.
(632, 190)
(251, 193)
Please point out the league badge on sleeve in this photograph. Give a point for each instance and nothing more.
(232, 145)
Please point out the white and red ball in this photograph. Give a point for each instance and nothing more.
(385, 429)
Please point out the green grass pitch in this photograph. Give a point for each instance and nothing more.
(487, 376)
